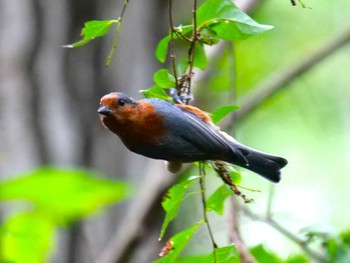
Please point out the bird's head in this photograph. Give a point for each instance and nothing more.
(116, 109)
(116, 105)
(135, 122)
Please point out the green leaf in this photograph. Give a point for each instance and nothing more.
(156, 93)
(227, 21)
(200, 59)
(172, 201)
(262, 255)
(164, 79)
(236, 177)
(345, 237)
(92, 30)
(216, 20)
(64, 194)
(216, 201)
(180, 241)
(208, 36)
(26, 238)
(221, 112)
(332, 248)
(228, 254)
(337, 252)
(297, 259)
(162, 47)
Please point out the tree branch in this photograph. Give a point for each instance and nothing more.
(116, 36)
(235, 235)
(204, 205)
(271, 222)
(279, 80)
(172, 45)
(157, 180)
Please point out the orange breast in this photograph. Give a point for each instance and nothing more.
(137, 125)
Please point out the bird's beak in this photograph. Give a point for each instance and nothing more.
(104, 110)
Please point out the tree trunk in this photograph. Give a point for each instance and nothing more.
(49, 96)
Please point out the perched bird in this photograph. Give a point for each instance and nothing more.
(179, 133)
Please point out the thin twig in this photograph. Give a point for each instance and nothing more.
(235, 235)
(126, 2)
(172, 45)
(191, 55)
(116, 35)
(280, 80)
(204, 204)
(271, 194)
(271, 222)
(234, 211)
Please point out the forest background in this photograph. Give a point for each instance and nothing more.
(49, 96)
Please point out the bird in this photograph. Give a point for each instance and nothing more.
(179, 133)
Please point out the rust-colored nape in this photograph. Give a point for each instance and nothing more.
(201, 114)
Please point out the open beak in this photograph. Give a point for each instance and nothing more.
(104, 110)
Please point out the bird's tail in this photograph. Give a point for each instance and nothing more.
(264, 164)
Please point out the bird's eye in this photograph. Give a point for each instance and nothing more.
(121, 102)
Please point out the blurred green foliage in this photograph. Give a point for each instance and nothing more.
(54, 197)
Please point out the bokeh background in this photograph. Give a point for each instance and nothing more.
(49, 96)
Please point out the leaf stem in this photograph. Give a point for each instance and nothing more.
(191, 53)
(172, 46)
(205, 215)
(114, 47)
(115, 39)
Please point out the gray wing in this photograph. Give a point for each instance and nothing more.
(196, 140)
(208, 139)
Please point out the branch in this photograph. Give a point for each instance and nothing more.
(172, 45)
(272, 223)
(204, 205)
(279, 81)
(116, 36)
(157, 180)
(235, 235)
(213, 53)
(192, 53)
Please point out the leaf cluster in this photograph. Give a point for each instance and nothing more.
(215, 21)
